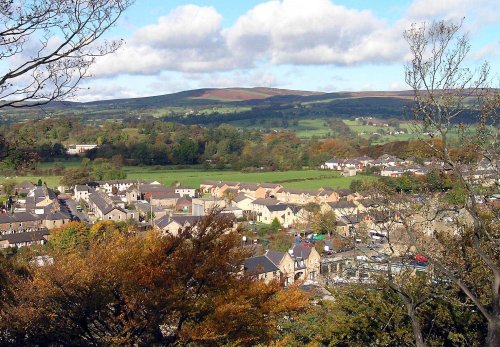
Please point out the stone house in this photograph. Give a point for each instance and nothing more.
(296, 196)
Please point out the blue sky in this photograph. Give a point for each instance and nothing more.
(322, 45)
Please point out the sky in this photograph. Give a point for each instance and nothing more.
(317, 45)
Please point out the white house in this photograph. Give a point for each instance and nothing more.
(333, 164)
(77, 149)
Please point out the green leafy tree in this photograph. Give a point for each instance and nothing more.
(185, 152)
(104, 170)
(9, 187)
(275, 225)
(73, 177)
(70, 238)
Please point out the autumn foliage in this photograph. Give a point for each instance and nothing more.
(128, 289)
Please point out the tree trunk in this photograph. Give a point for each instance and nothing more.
(417, 331)
(493, 339)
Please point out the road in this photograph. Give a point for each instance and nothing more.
(70, 206)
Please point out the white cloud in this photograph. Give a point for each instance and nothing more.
(488, 51)
(187, 26)
(192, 48)
(99, 90)
(477, 13)
(187, 39)
(191, 39)
(312, 32)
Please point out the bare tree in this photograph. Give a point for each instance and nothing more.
(47, 47)
(446, 93)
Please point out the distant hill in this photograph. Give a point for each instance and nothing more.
(215, 96)
(220, 105)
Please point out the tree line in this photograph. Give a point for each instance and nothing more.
(154, 142)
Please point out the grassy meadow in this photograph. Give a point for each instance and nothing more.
(306, 128)
(366, 131)
(303, 179)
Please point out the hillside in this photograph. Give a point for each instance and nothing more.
(212, 104)
(226, 105)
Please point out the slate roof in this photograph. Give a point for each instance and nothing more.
(249, 186)
(165, 195)
(301, 250)
(259, 265)
(24, 217)
(265, 201)
(81, 188)
(334, 161)
(298, 191)
(25, 236)
(58, 215)
(6, 218)
(275, 208)
(183, 219)
(295, 209)
(240, 197)
(344, 192)
(146, 207)
(162, 222)
(326, 192)
(342, 204)
(103, 203)
(18, 217)
(352, 218)
(274, 256)
(367, 202)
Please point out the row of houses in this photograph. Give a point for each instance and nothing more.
(35, 212)
(19, 222)
(235, 190)
(391, 166)
(134, 190)
(23, 239)
(384, 161)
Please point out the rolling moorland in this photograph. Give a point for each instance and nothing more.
(305, 112)
(215, 106)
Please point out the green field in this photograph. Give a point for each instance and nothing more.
(305, 128)
(305, 179)
(52, 181)
(366, 131)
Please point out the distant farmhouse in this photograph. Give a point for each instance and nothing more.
(77, 149)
